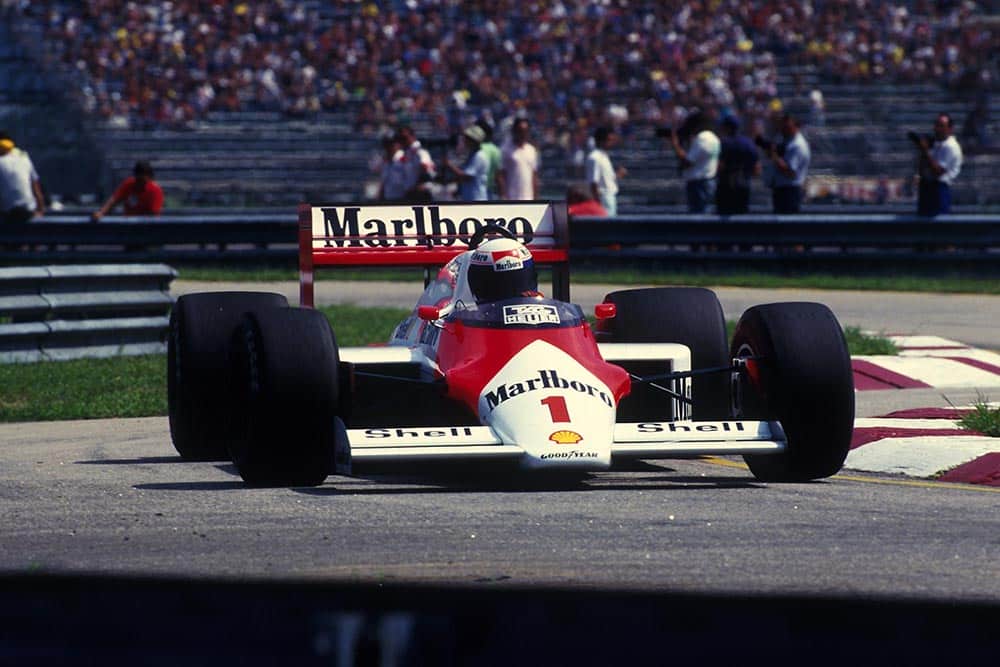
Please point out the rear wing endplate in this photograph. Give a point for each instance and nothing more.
(425, 235)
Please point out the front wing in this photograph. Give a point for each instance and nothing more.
(643, 440)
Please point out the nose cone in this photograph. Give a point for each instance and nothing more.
(547, 403)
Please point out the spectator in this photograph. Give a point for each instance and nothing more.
(21, 197)
(789, 166)
(580, 201)
(492, 152)
(519, 165)
(738, 164)
(419, 168)
(938, 163)
(392, 180)
(474, 173)
(601, 175)
(140, 194)
(699, 162)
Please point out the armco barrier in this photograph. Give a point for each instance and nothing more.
(853, 240)
(73, 311)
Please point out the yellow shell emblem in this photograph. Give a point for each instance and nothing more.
(566, 437)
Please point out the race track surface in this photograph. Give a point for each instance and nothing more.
(112, 497)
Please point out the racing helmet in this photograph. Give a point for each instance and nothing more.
(501, 268)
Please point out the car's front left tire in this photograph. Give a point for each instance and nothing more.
(285, 387)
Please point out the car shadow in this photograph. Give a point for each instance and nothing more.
(135, 461)
(372, 485)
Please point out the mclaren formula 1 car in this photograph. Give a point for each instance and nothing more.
(489, 371)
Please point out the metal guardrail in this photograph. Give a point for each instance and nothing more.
(72, 311)
(840, 239)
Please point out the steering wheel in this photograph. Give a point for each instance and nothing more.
(481, 233)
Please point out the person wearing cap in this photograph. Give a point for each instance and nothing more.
(139, 193)
(472, 176)
(492, 155)
(738, 164)
(21, 197)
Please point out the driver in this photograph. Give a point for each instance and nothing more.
(502, 268)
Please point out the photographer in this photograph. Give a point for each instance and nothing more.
(939, 159)
(789, 166)
(699, 162)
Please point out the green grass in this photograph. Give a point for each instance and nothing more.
(84, 389)
(137, 387)
(983, 418)
(642, 276)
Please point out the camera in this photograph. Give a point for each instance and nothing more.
(915, 138)
(664, 131)
(766, 145)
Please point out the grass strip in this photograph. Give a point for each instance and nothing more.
(137, 387)
(983, 418)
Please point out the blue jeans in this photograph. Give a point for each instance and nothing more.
(933, 198)
(700, 194)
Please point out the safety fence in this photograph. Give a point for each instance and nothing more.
(845, 241)
(63, 312)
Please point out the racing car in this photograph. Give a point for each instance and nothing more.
(487, 370)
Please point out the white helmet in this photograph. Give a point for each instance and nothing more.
(502, 268)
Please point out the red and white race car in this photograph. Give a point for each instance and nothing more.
(490, 371)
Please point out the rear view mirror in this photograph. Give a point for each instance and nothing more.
(605, 311)
(429, 313)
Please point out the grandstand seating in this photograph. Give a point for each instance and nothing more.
(263, 158)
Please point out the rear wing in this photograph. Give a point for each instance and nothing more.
(425, 235)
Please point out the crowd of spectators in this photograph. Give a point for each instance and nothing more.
(568, 64)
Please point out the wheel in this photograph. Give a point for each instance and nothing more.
(284, 382)
(200, 328)
(691, 316)
(802, 378)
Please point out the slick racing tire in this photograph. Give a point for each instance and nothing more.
(691, 316)
(284, 382)
(200, 328)
(800, 376)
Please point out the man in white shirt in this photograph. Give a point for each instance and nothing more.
(21, 197)
(600, 174)
(789, 166)
(517, 178)
(418, 167)
(699, 162)
(938, 164)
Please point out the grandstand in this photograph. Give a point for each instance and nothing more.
(309, 129)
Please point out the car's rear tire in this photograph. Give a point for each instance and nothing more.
(200, 328)
(691, 316)
(802, 377)
(284, 380)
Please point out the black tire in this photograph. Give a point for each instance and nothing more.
(803, 379)
(691, 316)
(200, 328)
(284, 380)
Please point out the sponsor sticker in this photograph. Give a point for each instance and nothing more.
(565, 437)
(530, 314)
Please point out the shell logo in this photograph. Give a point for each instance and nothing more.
(565, 437)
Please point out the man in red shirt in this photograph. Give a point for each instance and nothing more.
(139, 192)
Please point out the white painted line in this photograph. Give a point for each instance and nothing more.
(892, 422)
(970, 353)
(923, 456)
(936, 372)
(924, 341)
